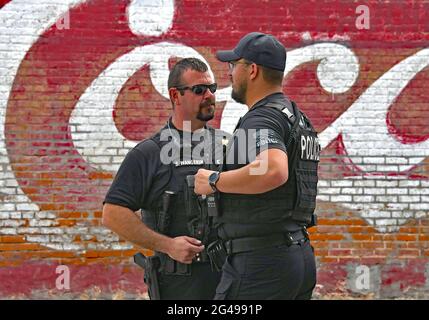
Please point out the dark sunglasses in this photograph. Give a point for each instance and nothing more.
(199, 89)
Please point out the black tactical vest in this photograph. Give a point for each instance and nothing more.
(184, 216)
(296, 199)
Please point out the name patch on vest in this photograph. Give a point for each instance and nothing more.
(310, 148)
(193, 162)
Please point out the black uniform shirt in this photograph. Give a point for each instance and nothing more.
(258, 119)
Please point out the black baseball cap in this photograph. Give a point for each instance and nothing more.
(260, 48)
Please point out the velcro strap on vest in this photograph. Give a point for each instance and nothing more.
(256, 243)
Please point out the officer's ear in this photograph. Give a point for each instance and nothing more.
(254, 71)
(174, 96)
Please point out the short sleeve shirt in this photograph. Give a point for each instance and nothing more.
(261, 128)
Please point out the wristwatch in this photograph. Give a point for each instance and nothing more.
(213, 179)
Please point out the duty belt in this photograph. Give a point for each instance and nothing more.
(255, 243)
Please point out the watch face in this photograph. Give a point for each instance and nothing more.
(213, 177)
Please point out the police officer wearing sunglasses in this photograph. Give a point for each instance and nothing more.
(176, 222)
(265, 213)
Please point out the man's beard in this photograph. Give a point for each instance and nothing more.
(210, 105)
(239, 95)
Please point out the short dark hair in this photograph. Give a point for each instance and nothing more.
(272, 76)
(175, 76)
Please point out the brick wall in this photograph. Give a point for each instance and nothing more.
(82, 81)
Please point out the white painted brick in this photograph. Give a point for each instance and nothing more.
(122, 152)
(364, 183)
(60, 238)
(375, 206)
(397, 191)
(329, 190)
(363, 198)
(100, 159)
(424, 183)
(409, 183)
(390, 184)
(373, 160)
(323, 198)
(357, 160)
(11, 183)
(77, 230)
(8, 231)
(117, 145)
(386, 198)
(100, 230)
(42, 223)
(418, 191)
(91, 246)
(97, 121)
(421, 214)
(40, 239)
(28, 230)
(419, 206)
(27, 207)
(12, 194)
(378, 214)
(396, 160)
(55, 246)
(324, 183)
(375, 191)
(45, 215)
(28, 215)
(351, 190)
(99, 246)
(11, 223)
(15, 215)
(403, 168)
(107, 238)
(102, 246)
(72, 247)
(402, 214)
(121, 246)
(111, 152)
(388, 168)
(425, 198)
(409, 198)
(399, 206)
(390, 229)
(386, 222)
(4, 215)
(20, 198)
(51, 230)
(341, 198)
(354, 205)
(6, 174)
(341, 183)
(7, 207)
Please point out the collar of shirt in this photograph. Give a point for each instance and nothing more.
(173, 127)
(271, 97)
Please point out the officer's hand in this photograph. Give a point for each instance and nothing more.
(184, 249)
(202, 185)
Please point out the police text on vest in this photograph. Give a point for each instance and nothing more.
(310, 148)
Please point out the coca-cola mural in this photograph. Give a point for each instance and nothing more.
(81, 82)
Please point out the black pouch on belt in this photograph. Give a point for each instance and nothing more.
(217, 254)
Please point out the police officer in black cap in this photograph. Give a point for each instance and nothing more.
(268, 200)
(156, 177)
